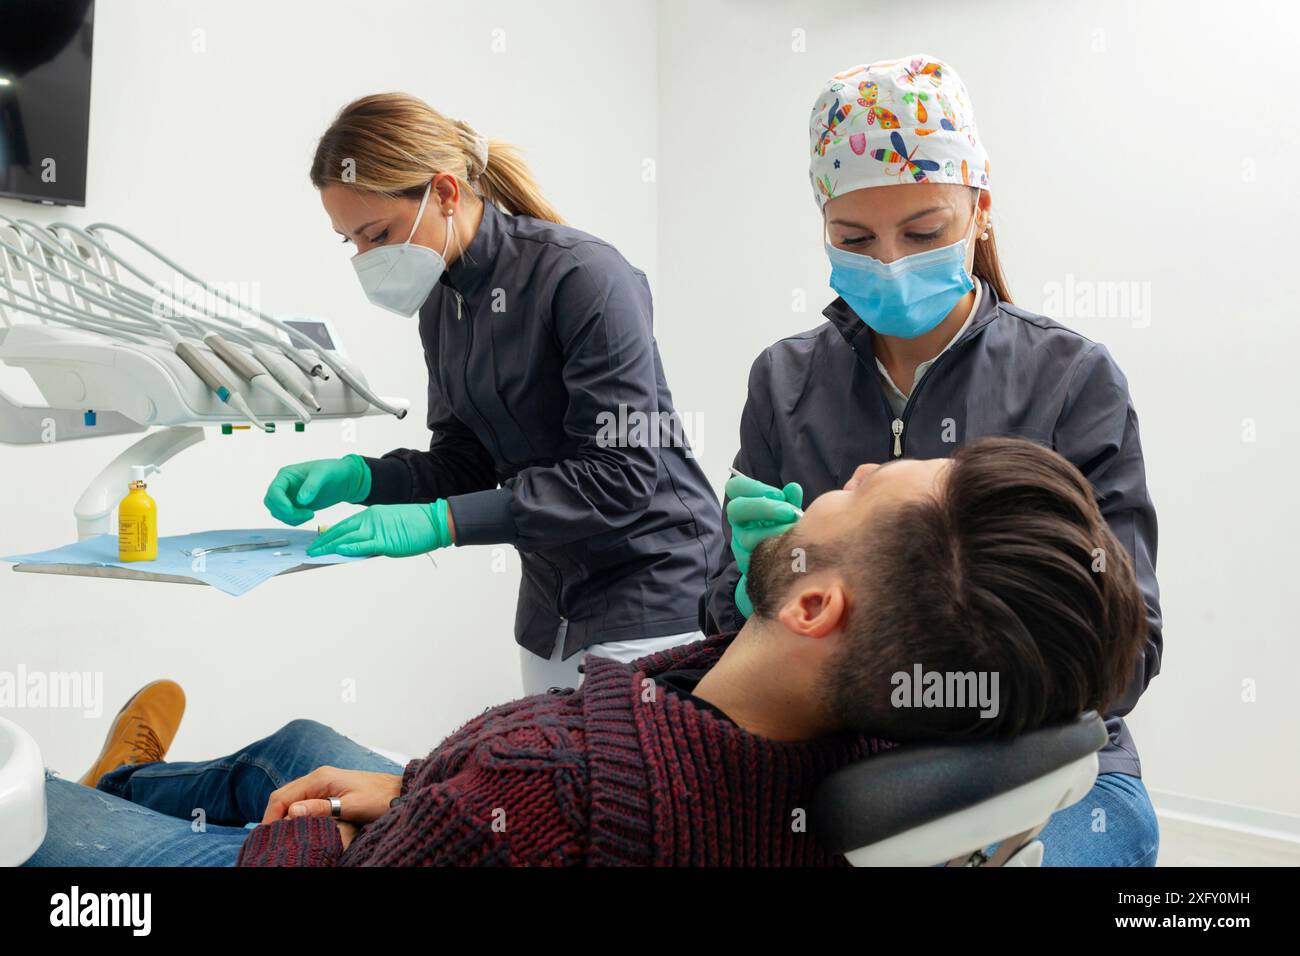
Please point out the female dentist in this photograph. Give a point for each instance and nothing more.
(923, 350)
(540, 353)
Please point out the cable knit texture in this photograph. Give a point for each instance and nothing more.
(622, 772)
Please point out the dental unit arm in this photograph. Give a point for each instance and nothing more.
(114, 349)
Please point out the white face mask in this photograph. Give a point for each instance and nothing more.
(400, 278)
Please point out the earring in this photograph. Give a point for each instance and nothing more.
(984, 236)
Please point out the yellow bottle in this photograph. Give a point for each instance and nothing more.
(137, 520)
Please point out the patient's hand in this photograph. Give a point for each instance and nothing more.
(365, 796)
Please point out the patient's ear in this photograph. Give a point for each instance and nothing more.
(815, 610)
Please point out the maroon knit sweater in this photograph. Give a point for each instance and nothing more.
(621, 772)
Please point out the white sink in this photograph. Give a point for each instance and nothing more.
(22, 795)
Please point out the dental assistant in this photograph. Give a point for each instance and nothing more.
(537, 338)
(923, 351)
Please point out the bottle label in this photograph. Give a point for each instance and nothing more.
(132, 533)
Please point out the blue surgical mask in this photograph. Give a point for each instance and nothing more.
(904, 298)
(400, 278)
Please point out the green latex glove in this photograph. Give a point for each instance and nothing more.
(757, 511)
(398, 531)
(298, 491)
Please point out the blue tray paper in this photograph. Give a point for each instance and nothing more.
(235, 573)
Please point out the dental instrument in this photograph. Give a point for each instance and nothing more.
(133, 323)
(286, 374)
(115, 346)
(213, 377)
(229, 548)
(137, 308)
(275, 380)
(333, 360)
(256, 374)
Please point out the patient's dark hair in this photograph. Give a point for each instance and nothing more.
(1010, 569)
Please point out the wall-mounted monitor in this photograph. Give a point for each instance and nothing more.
(45, 53)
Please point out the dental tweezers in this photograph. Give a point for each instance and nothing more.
(250, 546)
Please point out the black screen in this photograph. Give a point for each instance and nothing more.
(45, 48)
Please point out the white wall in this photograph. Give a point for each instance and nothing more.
(206, 154)
(1130, 143)
(1154, 143)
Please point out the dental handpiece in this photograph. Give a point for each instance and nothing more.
(311, 366)
(211, 376)
(286, 373)
(254, 373)
(352, 379)
(798, 511)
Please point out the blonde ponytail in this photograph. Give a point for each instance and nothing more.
(507, 181)
(394, 143)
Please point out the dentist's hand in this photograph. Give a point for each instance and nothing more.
(364, 795)
(298, 491)
(757, 511)
(398, 531)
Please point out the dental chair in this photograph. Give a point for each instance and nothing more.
(927, 805)
(913, 806)
(22, 795)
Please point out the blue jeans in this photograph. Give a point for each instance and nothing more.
(148, 814)
(1113, 825)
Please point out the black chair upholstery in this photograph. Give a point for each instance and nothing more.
(897, 790)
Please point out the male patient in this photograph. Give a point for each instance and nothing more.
(995, 561)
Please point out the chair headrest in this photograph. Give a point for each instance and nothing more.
(896, 790)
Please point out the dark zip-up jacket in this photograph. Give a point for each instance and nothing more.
(553, 430)
(817, 409)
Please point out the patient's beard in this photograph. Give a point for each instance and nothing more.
(774, 567)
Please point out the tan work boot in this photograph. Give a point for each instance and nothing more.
(143, 729)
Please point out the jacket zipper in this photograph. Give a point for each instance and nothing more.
(899, 423)
(460, 310)
(469, 395)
